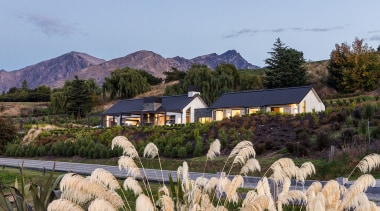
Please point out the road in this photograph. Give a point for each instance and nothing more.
(373, 193)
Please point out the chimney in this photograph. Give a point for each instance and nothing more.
(193, 90)
(152, 103)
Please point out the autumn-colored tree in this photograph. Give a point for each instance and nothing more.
(354, 68)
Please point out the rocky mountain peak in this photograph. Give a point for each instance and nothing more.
(54, 72)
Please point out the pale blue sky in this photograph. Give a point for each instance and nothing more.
(36, 30)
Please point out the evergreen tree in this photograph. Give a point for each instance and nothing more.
(78, 97)
(285, 67)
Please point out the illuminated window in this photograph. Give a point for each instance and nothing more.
(219, 115)
(235, 112)
(204, 119)
(253, 110)
(304, 106)
(277, 109)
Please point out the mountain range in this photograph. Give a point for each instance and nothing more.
(54, 72)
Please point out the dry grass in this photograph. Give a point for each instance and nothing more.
(13, 109)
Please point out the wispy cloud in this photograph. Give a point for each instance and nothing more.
(49, 25)
(375, 38)
(251, 32)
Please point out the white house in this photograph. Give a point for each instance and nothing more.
(292, 100)
(178, 109)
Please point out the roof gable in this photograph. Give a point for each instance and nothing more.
(264, 97)
(169, 103)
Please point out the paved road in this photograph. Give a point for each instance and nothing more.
(152, 174)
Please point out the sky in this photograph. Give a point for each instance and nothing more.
(38, 30)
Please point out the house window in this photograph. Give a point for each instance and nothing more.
(253, 110)
(235, 113)
(204, 119)
(277, 109)
(219, 115)
(304, 106)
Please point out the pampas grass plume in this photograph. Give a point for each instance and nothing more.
(331, 193)
(167, 203)
(131, 184)
(104, 177)
(244, 154)
(211, 184)
(70, 181)
(360, 186)
(144, 203)
(150, 151)
(250, 166)
(214, 149)
(263, 187)
(76, 196)
(101, 205)
(369, 162)
(164, 190)
(292, 196)
(238, 147)
(129, 165)
(126, 145)
(63, 205)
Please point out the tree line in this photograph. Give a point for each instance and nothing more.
(351, 68)
(24, 94)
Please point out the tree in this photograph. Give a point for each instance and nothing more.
(150, 78)
(285, 67)
(78, 97)
(174, 75)
(354, 69)
(125, 83)
(7, 133)
(58, 101)
(40, 94)
(249, 81)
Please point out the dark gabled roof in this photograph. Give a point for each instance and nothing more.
(264, 97)
(169, 103)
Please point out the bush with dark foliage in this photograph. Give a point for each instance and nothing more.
(7, 133)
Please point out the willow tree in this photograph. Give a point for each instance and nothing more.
(125, 83)
(354, 68)
(58, 101)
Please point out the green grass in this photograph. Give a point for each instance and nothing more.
(325, 170)
(8, 175)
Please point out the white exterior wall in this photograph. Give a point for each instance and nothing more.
(313, 102)
(196, 103)
(178, 117)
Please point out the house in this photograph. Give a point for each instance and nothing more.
(293, 100)
(164, 110)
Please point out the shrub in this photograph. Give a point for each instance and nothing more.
(198, 149)
(167, 151)
(223, 137)
(182, 152)
(189, 148)
(7, 133)
(323, 140)
(368, 111)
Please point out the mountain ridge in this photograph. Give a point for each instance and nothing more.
(54, 72)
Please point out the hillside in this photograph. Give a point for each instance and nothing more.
(48, 72)
(54, 72)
